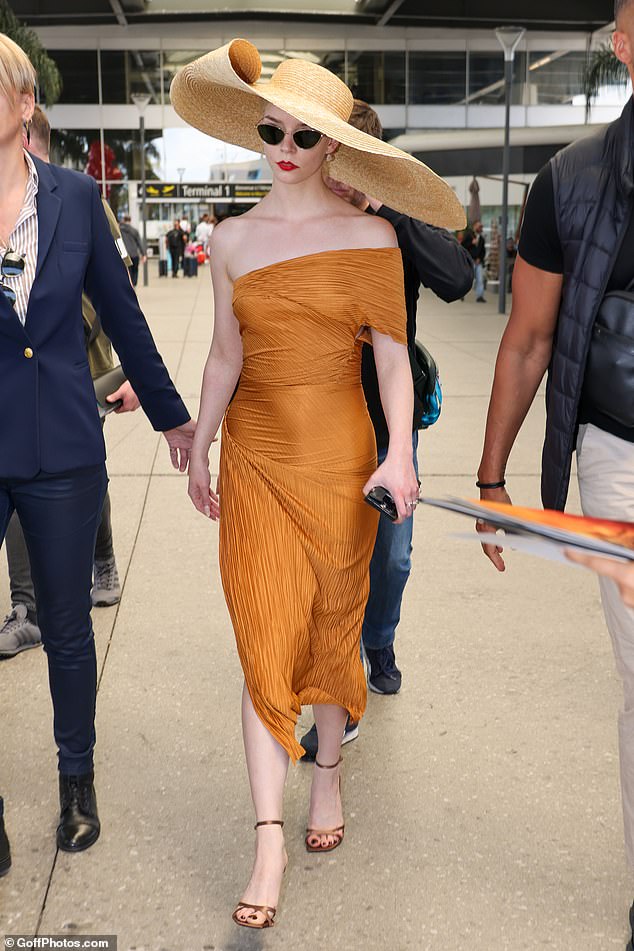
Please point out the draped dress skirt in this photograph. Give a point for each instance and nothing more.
(296, 536)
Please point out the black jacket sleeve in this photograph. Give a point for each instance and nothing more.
(108, 286)
(443, 265)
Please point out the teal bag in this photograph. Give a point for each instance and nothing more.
(427, 387)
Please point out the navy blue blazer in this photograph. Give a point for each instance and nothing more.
(48, 412)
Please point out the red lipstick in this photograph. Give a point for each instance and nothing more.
(287, 166)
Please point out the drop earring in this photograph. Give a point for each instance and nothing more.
(27, 131)
(330, 157)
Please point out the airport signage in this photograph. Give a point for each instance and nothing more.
(205, 191)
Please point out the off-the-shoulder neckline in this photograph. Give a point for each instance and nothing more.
(304, 257)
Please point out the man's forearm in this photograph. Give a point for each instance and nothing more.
(517, 378)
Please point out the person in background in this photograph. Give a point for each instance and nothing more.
(575, 246)
(203, 231)
(431, 258)
(176, 239)
(473, 241)
(134, 246)
(54, 242)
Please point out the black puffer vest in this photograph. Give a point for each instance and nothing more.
(593, 187)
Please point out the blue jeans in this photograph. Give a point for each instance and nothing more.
(479, 280)
(389, 570)
(60, 515)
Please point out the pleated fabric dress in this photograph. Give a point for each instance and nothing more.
(296, 536)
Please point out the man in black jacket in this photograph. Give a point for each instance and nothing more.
(576, 245)
(175, 238)
(432, 258)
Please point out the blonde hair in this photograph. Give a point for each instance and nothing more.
(17, 75)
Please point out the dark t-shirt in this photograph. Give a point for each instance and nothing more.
(540, 246)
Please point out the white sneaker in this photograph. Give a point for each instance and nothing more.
(106, 589)
(18, 633)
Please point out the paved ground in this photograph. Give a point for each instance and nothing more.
(482, 803)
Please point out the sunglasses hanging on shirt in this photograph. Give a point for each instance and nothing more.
(12, 265)
(303, 138)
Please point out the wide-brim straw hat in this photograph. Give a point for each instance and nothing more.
(221, 94)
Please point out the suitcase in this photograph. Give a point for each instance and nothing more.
(162, 267)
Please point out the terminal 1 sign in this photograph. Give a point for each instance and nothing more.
(206, 191)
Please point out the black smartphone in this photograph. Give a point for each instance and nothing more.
(379, 498)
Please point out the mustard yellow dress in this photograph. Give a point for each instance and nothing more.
(296, 536)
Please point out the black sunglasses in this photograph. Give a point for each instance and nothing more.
(303, 138)
(12, 265)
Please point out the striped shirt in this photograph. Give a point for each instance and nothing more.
(23, 240)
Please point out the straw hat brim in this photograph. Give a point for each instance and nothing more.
(220, 95)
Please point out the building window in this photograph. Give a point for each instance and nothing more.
(80, 80)
(377, 77)
(555, 77)
(437, 77)
(70, 147)
(486, 78)
(125, 72)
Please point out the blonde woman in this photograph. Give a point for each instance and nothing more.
(54, 240)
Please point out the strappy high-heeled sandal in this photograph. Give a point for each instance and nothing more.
(267, 910)
(336, 834)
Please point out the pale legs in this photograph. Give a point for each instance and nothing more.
(267, 766)
(326, 811)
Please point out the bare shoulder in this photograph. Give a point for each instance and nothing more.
(379, 232)
(368, 231)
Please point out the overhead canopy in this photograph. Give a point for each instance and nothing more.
(584, 15)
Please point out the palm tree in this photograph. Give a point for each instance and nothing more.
(602, 69)
(48, 75)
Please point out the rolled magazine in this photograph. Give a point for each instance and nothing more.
(542, 531)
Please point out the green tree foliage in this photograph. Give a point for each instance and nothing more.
(602, 69)
(48, 75)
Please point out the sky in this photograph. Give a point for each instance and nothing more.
(195, 152)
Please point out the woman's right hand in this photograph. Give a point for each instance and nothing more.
(199, 489)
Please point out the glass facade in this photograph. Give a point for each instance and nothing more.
(80, 77)
(125, 72)
(555, 77)
(380, 77)
(486, 78)
(377, 77)
(437, 78)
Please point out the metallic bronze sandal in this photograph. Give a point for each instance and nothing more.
(267, 910)
(336, 834)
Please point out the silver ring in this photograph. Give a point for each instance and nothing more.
(413, 503)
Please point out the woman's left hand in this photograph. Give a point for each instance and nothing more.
(398, 476)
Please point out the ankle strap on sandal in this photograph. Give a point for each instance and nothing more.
(333, 766)
(267, 822)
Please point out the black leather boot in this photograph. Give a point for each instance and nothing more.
(79, 825)
(5, 851)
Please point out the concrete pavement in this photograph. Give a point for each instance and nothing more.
(482, 803)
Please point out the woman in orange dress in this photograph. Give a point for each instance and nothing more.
(299, 281)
